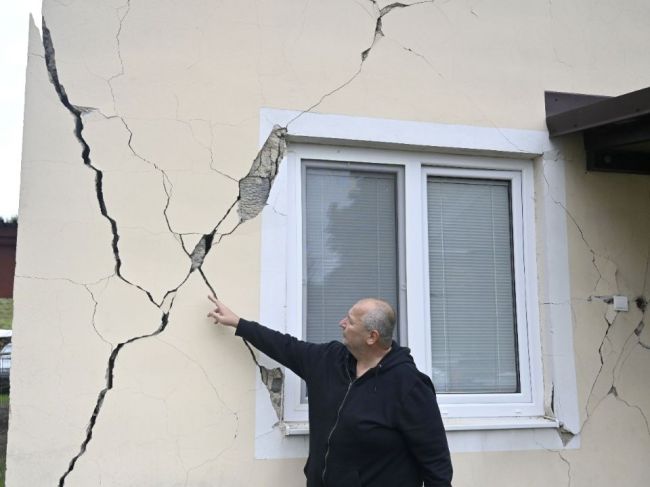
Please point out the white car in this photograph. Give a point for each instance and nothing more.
(5, 366)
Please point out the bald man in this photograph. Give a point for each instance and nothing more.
(373, 417)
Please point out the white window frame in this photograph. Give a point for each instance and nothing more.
(529, 401)
(509, 149)
(417, 166)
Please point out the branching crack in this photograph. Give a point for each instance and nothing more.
(582, 235)
(641, 303)
(168, 187)
(602, 363)
(254, 191)
(614, 392)
(77, 113)
(378, 34)
(102, 394)
(620, 360)
(462, 93)
(273, 379)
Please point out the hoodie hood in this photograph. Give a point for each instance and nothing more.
(398, 356)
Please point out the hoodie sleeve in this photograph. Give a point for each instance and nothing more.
(283, 348)
(420, 423)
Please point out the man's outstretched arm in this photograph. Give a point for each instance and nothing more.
(222, 314)
(283, 348)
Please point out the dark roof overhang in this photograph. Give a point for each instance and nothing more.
(616, 130)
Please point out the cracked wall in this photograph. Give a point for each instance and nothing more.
(142, 182)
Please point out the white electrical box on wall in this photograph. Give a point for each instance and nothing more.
(620, 303)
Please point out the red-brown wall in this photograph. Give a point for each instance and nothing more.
(7, 259)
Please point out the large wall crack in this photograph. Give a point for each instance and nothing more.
(621, 358)
(77, 113)
(102, 394)
(254, 190)
(377, 35)
(273, 380)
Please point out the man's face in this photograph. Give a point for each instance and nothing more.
(354, 333)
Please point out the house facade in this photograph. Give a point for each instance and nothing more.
(8, 232)
(292, 157)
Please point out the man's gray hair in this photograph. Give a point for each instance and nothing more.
(381, 318)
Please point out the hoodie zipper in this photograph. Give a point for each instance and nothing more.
(338, 414)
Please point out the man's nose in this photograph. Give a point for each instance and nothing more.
(342, 323)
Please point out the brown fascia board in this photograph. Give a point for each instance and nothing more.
(568, 113)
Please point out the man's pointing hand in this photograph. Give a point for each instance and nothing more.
(222, 314)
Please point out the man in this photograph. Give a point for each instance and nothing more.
(373, 417)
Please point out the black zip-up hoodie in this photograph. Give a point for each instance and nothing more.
(381, 430)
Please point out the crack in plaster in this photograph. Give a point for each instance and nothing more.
(273, 379)
(575, 223)
(167, 184)
(614, 392)
(212, 459)
(568, 464)
(165, 181)
(254, 190)
(602, 362)
(378, 34)
(620, 361)
(127, 7)
(641, 303)
(262, 173)
(622, 357)
(102, 394)
(77, 112)
(188, 471)
(203, 371)
(460, 92)
(86, 286)
(206, 147)
(95, 304)
(562, 457)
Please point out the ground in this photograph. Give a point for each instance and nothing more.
(6, 313)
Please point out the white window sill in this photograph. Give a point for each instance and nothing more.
(298, 428)
(506, 423)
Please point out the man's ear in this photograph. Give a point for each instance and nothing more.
(373, 337)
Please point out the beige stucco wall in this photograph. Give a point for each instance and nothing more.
(173, 92)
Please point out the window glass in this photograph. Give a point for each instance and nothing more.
(471, 286)
(350, 244)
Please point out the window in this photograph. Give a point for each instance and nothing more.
(350, 241)
(506, 405)
(445, 240)
(471, 299)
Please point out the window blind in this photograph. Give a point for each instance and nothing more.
(350, 244)
(473, 323)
